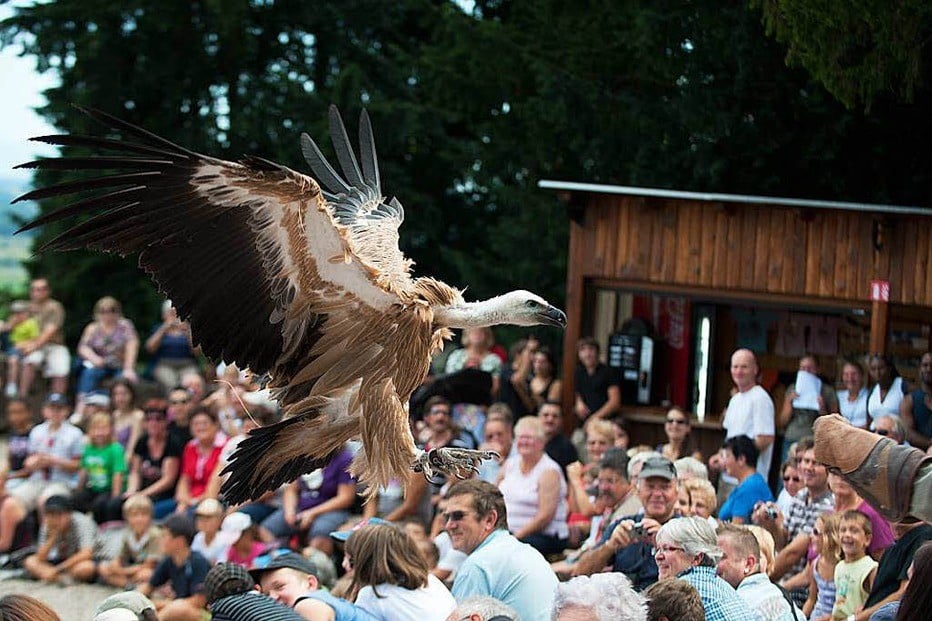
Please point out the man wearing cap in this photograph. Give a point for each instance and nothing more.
(291, 579)
(628, 543)
(497, 564)
(232, 596)
(55, 449)
(67, 540)
(184, 569)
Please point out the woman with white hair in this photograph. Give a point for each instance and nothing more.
(687, 548)
(535, 491)
(600, 597)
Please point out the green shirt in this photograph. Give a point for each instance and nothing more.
(101, 463)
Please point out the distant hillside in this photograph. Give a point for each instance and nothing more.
(10, 189)
(13, 250)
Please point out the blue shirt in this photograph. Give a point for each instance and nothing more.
(720, 601)
(740, 504)
(510, 571)
(342, 609)
(187, 580)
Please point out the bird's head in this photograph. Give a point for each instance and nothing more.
(524, 308)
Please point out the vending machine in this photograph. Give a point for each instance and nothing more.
(633, 356)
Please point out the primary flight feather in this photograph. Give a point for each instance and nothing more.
(278, 274)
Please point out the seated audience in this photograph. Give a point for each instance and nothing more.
(208, 540)
(171, 349)
(139, 547)
(244, 546)
(679, 442)
(892, 579)
(627, 545)
(156, 461)
(674, 600)
(48, 349)
(67, 541)
(739, 459)
(740, 567)
(890, 426)
(19, 418)
(687, 548)
(602, 597)
(391, 579)
(702, 498)
(792, 483)
(231, 594)
(108, 347)
(198, 460)
(127, 417)
(846, 499)
(917, 599)
(497, 564)
(482, 608)
(291, 579)
(854, 574)
(179, 577)
(820, 571)
(535, 491)
(18, 330)
(691, 468)
(316, 504)
(103, 471)
(916, 408)
(889, 387)
(55, 449)
(852, 401)
(498, 435)
(557, 445)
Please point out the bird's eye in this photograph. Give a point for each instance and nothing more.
(532, 304)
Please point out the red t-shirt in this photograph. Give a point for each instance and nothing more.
(198, 467)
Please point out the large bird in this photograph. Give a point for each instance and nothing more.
(302, 283)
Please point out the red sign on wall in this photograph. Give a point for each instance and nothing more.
(880, 291)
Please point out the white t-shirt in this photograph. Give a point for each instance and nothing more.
(891, 401)
(750, 414)
(394, 603)
(855, 411)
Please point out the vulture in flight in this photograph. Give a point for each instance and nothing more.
(297, 277)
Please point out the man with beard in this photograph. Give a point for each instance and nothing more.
(628, 543)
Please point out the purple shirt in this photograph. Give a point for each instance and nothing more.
(882, 537)
(321, 485)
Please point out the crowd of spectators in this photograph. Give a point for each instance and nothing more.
(588, 525)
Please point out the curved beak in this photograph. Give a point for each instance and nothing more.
(552, 316)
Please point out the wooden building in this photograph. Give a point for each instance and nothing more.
(708, 273)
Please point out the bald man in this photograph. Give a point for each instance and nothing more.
(750, 411)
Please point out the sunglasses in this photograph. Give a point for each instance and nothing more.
(440, 411)
(677, 421)
(454, 516)
(793, 479)
(881, 432)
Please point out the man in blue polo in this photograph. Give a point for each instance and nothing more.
(498, 565)
(627, 545)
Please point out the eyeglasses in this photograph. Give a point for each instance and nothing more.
(666, 550)
(677, 421)
(793, 479)
(454, 516)
(440, 411)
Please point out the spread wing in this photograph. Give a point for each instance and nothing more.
(250, 252)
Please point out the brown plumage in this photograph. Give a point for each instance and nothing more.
(286, 278)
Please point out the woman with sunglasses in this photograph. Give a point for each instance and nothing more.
(156, 461)
(679, 442)
(109, 346)
(792, 483)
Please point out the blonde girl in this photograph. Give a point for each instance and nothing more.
(821, 570)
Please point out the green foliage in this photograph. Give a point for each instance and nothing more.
(859, 50)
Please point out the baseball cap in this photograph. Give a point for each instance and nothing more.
(233, 526)
(343, 535)
(209, 507)
(58, 504)
(116, 607)
(658, 467)
(226, 579)
(56, 399)
(284, 560)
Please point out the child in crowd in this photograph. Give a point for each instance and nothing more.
(139, 546)
(67, 542)
(854, 576)
(103, 470)
(245, 546)
(20, 420)
(20, 328)
(207, 518)
(179, 577)
(821, 569)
